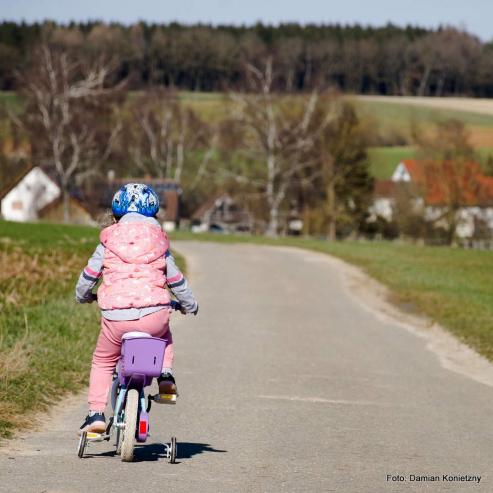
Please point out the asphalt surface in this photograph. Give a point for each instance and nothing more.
(287, 384)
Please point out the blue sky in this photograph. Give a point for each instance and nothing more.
(474, 15)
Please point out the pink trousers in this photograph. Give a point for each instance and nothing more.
(108, 348)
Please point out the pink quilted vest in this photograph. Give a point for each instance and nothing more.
(133, 266)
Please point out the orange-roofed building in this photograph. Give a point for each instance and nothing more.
(438, 187)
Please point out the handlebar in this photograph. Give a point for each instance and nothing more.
(175, 305)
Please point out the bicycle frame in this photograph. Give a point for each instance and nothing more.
(141, 361)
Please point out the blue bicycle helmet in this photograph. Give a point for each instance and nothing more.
(135, 197)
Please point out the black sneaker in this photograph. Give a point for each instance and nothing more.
(94, 422)
(167, 384)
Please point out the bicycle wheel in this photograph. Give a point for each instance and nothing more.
(128, 438)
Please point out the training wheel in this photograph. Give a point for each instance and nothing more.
(173, 450)
(82, 444)
(118, 441)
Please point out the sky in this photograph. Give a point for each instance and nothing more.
(473, 15)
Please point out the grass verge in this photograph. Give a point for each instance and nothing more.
(46, 339)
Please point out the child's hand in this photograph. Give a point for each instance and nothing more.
(175, 305)
(89, 298)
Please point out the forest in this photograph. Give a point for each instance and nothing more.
(387, 60)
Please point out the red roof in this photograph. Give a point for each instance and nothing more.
(415, 169)
(446, 182)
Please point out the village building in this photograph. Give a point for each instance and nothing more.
(54, 212)
(27, 195)
(221, 214)
(34, 196)
(436, 189)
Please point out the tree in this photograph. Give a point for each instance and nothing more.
(450, 178)
(162, 136)
(279, 135)
(340, 167)
(444, 62)
(385, 60)
(68, 115)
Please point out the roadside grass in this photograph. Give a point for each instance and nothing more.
(46, 339)
(448, 285)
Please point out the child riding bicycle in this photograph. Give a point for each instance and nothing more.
(136, 266)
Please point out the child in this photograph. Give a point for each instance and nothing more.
(136, 264)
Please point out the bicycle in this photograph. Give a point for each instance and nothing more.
(140, 362)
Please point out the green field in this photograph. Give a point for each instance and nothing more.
(394, 121)
(46, 339)
(384, 160)
(395, 114)
(388, 115)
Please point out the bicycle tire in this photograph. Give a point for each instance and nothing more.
(128, 435)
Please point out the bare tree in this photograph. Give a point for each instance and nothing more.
(280, 134)
(68, 116)
(164, 135)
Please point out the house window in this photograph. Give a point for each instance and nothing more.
(17, 205)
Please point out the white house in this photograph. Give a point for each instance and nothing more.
(33, 191)
(384, 193)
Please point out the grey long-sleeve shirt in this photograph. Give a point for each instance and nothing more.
(176, 282)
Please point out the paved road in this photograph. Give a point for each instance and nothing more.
(287, 385)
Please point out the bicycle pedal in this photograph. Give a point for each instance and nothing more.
(165, 398)
(96, 437)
